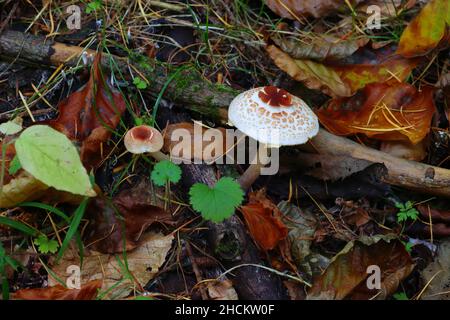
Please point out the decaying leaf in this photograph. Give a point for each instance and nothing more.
(88, 291)
(24, 187)
(222, 290)
(405, 149)
(143, 263)
(437, 274)
(425, 31)
(343, 79)
(347, 274)
(296, 9)
(129, 214)
(437, 215)
(264, 221)
(189, 141)
(381, 111)
(89, 116)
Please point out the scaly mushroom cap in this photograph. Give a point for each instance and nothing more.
(142, 139)
(260, 112)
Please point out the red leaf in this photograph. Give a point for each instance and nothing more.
(89, 115)
(86, 292)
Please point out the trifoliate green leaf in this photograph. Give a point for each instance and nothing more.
(51, 158)
(219, 202)
(165, 171)
(14, 166)
(46, 245)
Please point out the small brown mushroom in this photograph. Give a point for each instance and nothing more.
(145, 139)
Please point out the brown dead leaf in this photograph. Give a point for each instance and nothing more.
(89, 115)
(88, 291)
(222, 290)
(405, 149)
(130, 213)
(437, 215)
(346, 275)
(143, 263)
(190, 138)
(381, 111)
(296, 9)
(263, 220)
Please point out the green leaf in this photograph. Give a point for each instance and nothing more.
(51, 157)
(46, 245)
(165, 171)
(408, 246)
(400, 296)
(93, 6)
(14, 166)
(18, 226)
(10, 127)
(139, 83)
(407, 211)
(219, 202)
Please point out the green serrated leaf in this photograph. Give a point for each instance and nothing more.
(46, 245)
(165, 171)
(139, 83)
(219, 202)
(51, 157)
(14, 166)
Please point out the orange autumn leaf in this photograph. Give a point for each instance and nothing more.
(86, 292)
(382, 111)
(89, 115)
(263, 221)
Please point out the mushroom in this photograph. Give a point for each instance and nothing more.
(145, 139)
(260, 112)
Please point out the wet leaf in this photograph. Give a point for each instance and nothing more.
(296, 9)
(90, 115)
(87, 292)
(127, 216)
(426, 30)
(381, 111)
(142, 262)
(52, 159)
(263, 219)
(346, 275)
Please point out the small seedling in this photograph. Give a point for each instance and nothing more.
(139, 83)
(400, 296)
(406, 211)
(46, 245)
(165, 172)
(217, 203)
(93, 6)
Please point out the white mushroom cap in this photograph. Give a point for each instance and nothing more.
(142, 139)
(273, 116)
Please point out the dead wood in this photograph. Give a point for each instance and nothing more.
(199, 95)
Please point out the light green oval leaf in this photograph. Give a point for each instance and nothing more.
(51, 157)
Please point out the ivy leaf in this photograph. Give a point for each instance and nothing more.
(14, 166)
(51, 158)
(165, 171)
(219, 202)
(46, 245)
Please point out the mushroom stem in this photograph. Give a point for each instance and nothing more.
(254, 170)
(159, 156)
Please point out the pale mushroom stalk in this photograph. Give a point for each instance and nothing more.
(145, 140)
(254, 169)
(274, 117)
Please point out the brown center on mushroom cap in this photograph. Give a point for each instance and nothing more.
(275, 97)
(142, 133)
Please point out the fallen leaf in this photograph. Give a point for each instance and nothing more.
(346, 275)
(222, 290)
(437, 275)
(295, 9)
(89, 116)
(344, 78)
(381, 111)
(142, 263)
(129, 214)
(88, 291)
(189, 142)
(437, 215)
(24, 187)
(263, 221)
(426, 30)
